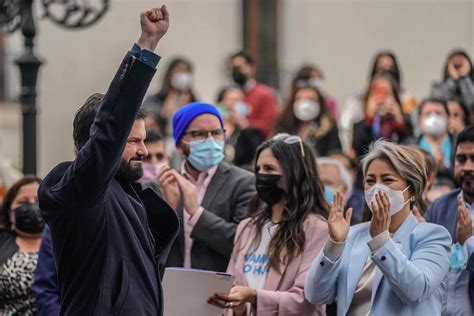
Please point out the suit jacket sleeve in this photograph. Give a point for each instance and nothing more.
(96, 163)
(321, 282)
(45, 285)
(293, 301)
(444, 90)
(466, 87)
(416, 278)
(210, 225)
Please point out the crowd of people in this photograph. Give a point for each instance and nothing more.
(315, 208)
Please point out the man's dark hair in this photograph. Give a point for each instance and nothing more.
(85, 117)
(467, 135)
(433, 100)
(153, 136)
(245, 55)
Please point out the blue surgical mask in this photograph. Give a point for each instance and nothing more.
(241, 108)
(458, 257)
(206, 154)
(329, 192)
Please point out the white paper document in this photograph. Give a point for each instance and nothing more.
(186, 291)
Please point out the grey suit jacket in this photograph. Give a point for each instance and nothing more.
(225, 205)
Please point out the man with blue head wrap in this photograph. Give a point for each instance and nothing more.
(209, 196)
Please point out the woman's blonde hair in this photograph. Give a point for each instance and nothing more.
(408, 163)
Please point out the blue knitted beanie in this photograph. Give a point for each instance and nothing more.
(185, 115)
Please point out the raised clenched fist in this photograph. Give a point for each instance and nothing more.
(154, 24)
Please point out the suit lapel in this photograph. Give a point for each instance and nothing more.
(399, 237)
(218, 180)
(357, 258)
(375, 283)
(179, 211)
(274, 277)
(244, 243)
(454, 216)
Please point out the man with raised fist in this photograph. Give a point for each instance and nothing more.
(110, 237)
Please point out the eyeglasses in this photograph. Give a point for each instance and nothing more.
(202, 135)
(290, 139)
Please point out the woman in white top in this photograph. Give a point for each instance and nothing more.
(286, 229)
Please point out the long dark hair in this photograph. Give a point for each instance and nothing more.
(393, 87)
(287, 122)
(451, 55)
(395, 72)
(11, 195)
(304, 195)
(166, 84)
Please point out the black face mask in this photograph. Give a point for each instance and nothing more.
(267, 188)
(238, 77)
(28, 218)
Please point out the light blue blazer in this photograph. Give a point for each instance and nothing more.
(408, 279)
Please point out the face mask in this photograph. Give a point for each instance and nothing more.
(317, 83)
(458, 257)
(306, 110)
(241, 108)
(150, 170)
(329, 192)
(267, 188)
(396, 198)
(238, 77)
(182, 81)
(28, 218)
(206, 154)
(434, 124)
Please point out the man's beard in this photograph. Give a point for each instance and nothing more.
(128, 173)
(466, 182)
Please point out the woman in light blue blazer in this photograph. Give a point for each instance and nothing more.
(392, 265)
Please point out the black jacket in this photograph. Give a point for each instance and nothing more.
(362, 136)
(110, 239)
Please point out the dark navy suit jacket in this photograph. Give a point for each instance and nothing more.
(45, 285)
(110, 239)
(444, 211)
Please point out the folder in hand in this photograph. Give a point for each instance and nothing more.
(186, 291)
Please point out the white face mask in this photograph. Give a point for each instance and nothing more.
(306, 110)
(182, 81)
(397, 201)
(434, 124)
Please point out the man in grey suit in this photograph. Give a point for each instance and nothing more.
(209, 196)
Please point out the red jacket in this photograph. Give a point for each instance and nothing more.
(263, 104)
